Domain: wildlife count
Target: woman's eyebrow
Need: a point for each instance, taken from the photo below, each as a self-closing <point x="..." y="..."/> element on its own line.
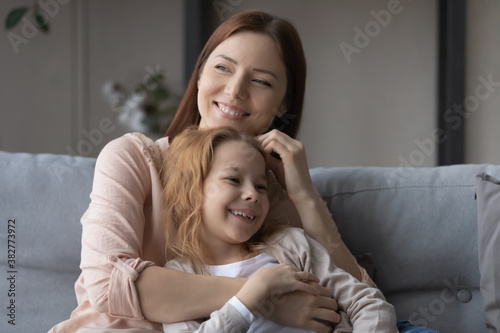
<point x="265" y="71"/>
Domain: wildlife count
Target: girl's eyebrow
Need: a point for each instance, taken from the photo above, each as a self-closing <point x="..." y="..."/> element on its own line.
<point x="236" y="169"/>
<point x="261" y="70"/>
<point x="232" y="168"/>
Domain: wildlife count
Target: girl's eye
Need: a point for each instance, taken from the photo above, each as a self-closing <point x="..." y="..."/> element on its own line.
<point x="261" y="187"/>
<point x="233" y="180"/>
<point x="262" y="82"/>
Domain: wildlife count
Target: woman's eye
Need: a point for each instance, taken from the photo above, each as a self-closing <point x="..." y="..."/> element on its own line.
<point x="222" y="68"/>
<point x="262" y="82"/>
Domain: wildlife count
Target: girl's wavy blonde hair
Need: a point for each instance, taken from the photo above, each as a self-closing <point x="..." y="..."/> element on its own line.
<point x="186" y="165"/>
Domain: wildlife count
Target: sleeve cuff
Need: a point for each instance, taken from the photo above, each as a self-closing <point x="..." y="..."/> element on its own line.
<point x="123" y="300"/>
<point x="242" y="309"/>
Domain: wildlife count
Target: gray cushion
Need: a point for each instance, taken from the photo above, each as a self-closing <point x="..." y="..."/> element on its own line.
<point x="46" y="195"/>
<point x="420" y="225"/>
<point x="488" y="208"/>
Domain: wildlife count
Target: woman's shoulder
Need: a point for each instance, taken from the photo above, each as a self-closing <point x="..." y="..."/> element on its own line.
<point x="135" y="148"/>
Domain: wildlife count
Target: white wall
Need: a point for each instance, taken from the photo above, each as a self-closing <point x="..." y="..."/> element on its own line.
<point x="482" y="114"/>
<point x="377" y="109"/>
<point x="35" y="84"/>
<point x="51" y="87"/>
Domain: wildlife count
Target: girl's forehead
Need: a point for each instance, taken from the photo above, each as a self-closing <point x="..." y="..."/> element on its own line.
<point x="236" y="154"/>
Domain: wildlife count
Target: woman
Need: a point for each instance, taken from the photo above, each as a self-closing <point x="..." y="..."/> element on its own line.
<point x="251" y="71"/>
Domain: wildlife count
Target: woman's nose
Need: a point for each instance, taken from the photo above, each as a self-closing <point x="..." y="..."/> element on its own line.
<point x="236" y="87"/>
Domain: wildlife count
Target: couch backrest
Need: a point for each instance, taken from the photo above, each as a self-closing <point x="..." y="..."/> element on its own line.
<point x="42" y="198"/>
<point x="420" y="226"/>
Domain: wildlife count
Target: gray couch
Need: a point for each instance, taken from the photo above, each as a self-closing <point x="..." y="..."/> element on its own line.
<point x="415" y="228"/>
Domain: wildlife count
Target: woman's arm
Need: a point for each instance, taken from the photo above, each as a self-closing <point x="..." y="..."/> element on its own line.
<point x="325" y="232"/>
<point x="293" y="174"/>
<point x="168" y="295"/>
<point x="117" y="281"/>
<point x="241" y="310"/>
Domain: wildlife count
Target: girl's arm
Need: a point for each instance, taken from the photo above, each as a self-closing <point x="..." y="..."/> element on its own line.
<point x="365" y="307"/>
<point x="293" y="174"/>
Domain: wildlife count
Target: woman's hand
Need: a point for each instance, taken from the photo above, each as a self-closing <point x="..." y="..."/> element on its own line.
<point x="292" y="172"/>
<point x="273" y="281"/>
<point x="290" y="298"/>
<point x="305" y="310"/>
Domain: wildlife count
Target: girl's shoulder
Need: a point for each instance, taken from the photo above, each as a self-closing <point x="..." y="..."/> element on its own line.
<point x="287" y="236"/>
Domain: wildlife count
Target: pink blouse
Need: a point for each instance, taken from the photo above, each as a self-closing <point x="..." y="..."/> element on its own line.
<point x="123" y="234"/>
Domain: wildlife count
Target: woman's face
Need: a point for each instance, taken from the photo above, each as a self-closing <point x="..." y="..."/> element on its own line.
<point x="242" y="84"/>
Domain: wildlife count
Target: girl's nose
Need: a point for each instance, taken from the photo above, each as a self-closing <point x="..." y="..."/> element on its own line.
<point x="250" y="194"/>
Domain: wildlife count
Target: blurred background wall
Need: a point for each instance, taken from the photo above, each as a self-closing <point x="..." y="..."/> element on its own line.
<point x="371" y="94"/>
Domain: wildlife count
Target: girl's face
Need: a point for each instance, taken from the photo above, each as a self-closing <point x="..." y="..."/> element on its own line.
<point x="242" y="84"/>
<point x="235" y="202"/>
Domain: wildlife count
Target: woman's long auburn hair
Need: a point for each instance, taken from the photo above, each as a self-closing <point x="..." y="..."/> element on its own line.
<point x="286" y="37"/>
<point x="186" y="165"/>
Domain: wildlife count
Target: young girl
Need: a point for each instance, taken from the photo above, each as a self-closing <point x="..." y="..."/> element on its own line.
<point x="216" y="184"/>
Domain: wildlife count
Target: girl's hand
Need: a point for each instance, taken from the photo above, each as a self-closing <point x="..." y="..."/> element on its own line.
<point x="292" y="172"/>
<point x="274" y="281"/>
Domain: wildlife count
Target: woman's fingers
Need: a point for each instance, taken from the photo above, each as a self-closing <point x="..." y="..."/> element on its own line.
<point x="306" y="276"/>
<point x="280" y="143"/>
<point x="286" y="278"/>
<point x="306" y="311"/>
<point x="323" y="291"/>
<point x="294" y="171"/>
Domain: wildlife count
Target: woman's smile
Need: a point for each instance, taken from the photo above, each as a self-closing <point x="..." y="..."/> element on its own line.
<point x="231" y="111"/>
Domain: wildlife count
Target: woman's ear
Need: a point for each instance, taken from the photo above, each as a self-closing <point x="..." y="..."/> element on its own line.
<point x="200" y="71"/>
<point x="281" y="110"/>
